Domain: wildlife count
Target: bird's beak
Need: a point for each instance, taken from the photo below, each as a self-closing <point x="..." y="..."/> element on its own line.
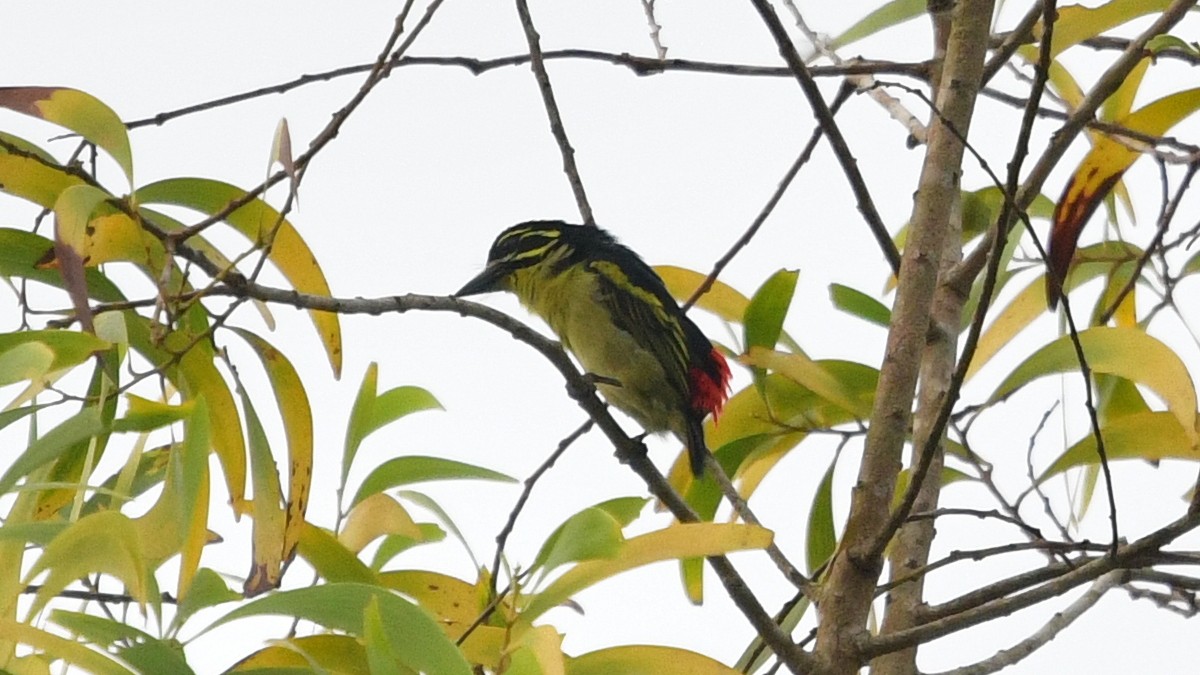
<point x="490" y="279"/>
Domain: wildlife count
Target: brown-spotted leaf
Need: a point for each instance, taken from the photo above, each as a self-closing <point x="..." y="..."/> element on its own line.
<point x="1098" y="173"/>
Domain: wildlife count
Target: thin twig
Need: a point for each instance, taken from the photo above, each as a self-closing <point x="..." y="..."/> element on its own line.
<point x="841" y="149"/>
<point x="556" y="124"/>
<point x="768" y="208"/>
<point x="502" y="537"/>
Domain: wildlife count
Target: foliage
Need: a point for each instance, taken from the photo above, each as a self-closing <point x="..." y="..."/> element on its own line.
<point x="162" y="380"/>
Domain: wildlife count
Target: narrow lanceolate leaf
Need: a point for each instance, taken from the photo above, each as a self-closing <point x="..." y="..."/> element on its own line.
<point x="138" y="648"/>
<point x="588" y="535"/>
<point x="331" y="559"/>
<point x="1030" y="303"/>
<point x="58" y="647"/>
<point x="722" y="299"/>
<point x="294" y="408"/>
<point x="822" y="535"/>
<point x="678" y="541"/>
<point x="262" y="225"/>
<point x="78" y="111"/>
<point x="72" y="217"/>
<point x="1075" y="23"/>
<point x="341" y="606"/>
<point x="1126" y="352"/>
<point x="768" y="308"/>
<point x="267" y="506"/>
<point x="1100" y="170"/>
<point x="1146" y="435"/>
<point x="418" y="469"/>
<point x="812" y="375"/>
<point x="890" y="14"/>
<point x="106" y="543"/>
<point x="308" y="654"/>
<point x="374" y="517"/>
<point x="857" y="303"/>
<point x="281" y="153"/>
<point x="20" y="253"/>
<point x="373" y="411"/>
<point x="81" y="426"/>
<point x="645" y="660"/>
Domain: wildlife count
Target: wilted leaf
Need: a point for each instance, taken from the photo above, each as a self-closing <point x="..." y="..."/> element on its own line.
<point x="1099" y="171"/>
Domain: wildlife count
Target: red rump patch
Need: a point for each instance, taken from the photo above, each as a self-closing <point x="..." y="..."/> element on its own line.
<point x="710" y="386"/>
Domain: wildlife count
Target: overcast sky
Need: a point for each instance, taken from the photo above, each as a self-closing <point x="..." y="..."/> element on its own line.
<point x="437" y="161"/>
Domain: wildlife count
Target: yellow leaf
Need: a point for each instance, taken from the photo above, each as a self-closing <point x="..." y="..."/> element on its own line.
<point x="455" y="603"/>
<point x="1142" y="435"/>
<point x="812" y="375"/>
<point x="296" y="412"/>
<point x="721" y="299"/>
<point x="678" y="541"/>
<point x="262" y="225"/>
<point x="106" y="542"/>
<point x="59" y="647"/>
<point x="374" y="517"/>
<point x="537" y="651"/>
<point x="646" y="660"/>
<point x="336" y="654"/>
<point x="78" y="111"/>
<point x="1126" y="352"/>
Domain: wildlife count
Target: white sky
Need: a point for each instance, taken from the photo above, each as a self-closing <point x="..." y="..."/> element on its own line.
<point x="437" y="161"/>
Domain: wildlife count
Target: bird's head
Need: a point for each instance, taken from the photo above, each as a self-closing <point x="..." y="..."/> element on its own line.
<point x="541" y="242"/>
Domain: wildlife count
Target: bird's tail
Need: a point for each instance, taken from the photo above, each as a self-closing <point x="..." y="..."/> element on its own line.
<point x="697" y="450"/>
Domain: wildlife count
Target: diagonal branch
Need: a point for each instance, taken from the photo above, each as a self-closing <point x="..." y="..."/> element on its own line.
<point x="556" y="124"/>
<point x="824" y="116"/>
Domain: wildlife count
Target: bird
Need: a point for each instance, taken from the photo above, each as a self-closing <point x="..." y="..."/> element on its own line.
<point x="613" y="312"/>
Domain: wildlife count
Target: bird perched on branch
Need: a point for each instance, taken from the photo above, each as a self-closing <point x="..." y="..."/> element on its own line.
<point x="613" y="312"/>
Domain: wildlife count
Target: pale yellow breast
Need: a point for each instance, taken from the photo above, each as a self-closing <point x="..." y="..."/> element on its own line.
<point x="568" y="302"/>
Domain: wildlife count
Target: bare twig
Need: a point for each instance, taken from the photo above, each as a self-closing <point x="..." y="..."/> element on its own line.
<point x="841" y="149"/>
<point x="769" y="207"/>
<point x="556" y="124"/>
<point x="1047" y="632"/>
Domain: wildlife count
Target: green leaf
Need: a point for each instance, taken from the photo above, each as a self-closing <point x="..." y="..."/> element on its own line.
<point x="822" y="534"/>
<point x="857" y="303"/>
<point x="890" y="14"/>
<point x="1126" y="352"/>
<point x="414" y="634"/>
<point x="590" y="534"/>
<point x="106" y="542"/>
<point x="675" y="542"/>
<point x="331" y="559"/>
<point x="146" y="415"/>
<point x="1144" y="435"/>
<point x="78" y="111"/>
<point x="70" y="348"/>
<point x="83" y="425"/>
<point x="139" y="649"/>
<point x="262" y="225"/>
<point x="768" y="308"/>
<point x="417" y="469"/>
<point x="58" y="647"/>
<point x="372" y="412"/>
<point x="646" y="660"/>
<point x="21" y="251"/>
<point x="208" y="589"/>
